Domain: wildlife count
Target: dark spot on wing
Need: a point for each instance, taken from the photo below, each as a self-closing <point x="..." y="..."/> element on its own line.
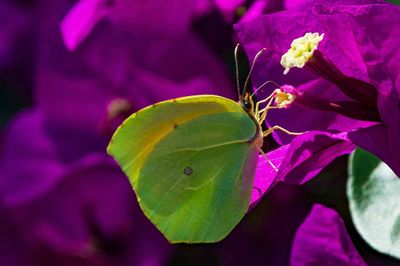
<point x="153" y="106"/>
<point x="188" y="170"/>
<point x="174" y="100"/>
<point x="175" y="126"/>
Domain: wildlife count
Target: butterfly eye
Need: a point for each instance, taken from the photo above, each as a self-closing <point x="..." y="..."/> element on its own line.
<point x="247" y="105"/>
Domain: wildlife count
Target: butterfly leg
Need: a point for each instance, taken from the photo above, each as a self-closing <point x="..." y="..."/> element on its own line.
<point x="266" y="158"/>
<point x="269" y="99"/>
<point x="262" y="114"/>
<point x="272" y="129"/>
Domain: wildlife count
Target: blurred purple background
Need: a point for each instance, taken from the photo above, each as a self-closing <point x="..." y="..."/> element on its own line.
<point x="70" y="72"/>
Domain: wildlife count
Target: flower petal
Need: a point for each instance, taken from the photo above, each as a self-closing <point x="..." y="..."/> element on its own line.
<point x="265" y="177"/>
<point x="309" y="153"/>
<point x="323" y="240"/>
<point x="80" y="21"/>
<point x="30" y="164"/>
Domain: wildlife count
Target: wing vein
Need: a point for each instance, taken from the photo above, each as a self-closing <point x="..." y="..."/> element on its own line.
<point x="215" y="210"/>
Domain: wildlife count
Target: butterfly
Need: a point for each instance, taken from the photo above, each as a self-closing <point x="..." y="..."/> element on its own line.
<point x="192" y="160"/>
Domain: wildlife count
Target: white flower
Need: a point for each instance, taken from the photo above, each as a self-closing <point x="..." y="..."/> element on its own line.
<point x="301" y="51"/>
<point x="283" y="99"/>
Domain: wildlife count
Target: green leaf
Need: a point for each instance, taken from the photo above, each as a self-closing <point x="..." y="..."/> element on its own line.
<point x="395" y="1"/>
<point x="373" y="191"/>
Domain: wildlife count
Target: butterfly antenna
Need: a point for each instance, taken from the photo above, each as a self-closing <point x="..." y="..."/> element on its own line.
<point x="237" y="69"/>
<point x="265" y="84"/>
<point x="251" y="69"/>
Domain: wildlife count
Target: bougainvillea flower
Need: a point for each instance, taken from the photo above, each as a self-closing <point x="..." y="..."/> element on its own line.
<point x="83" y="97"/>
<point x="323" y="240"/>
<point x="78" y="117"/>
<point x="348" y="72"/>
<point x="89" y="217"/>
<point x="153" y="17"/>
<point x="83" y="213"/>
<point x="92" y="214"/>
<point x="97" y="60"/>
<point x="298" y="161"/>
<point x="266" y="175"/>
<point x="29" y="162"/>
<point x="81" y="20"/>
<point x="115" y="72"/>
<point x="114" y="64"/>
<point x="301" y="50"/>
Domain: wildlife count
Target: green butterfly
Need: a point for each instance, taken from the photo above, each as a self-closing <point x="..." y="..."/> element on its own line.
<point x="192" y="161"/>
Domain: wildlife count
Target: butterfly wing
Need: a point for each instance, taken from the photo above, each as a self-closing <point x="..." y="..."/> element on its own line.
<point x="191" y="165"/>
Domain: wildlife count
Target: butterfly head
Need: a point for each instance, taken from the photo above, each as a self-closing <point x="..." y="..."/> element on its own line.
<point x="247" y="102"/>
